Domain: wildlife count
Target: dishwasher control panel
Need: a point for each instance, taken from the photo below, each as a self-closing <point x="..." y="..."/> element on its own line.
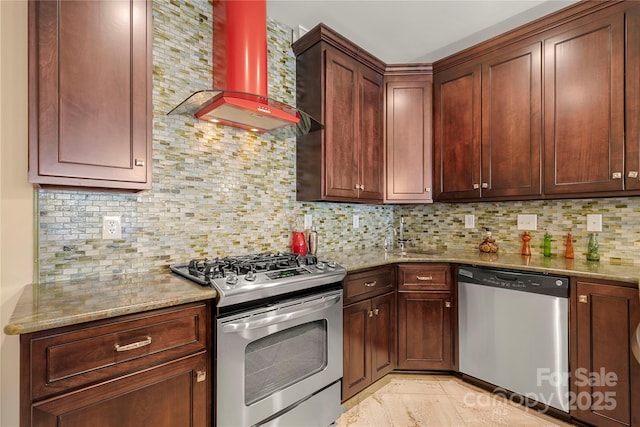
<point x="515" y="280"/>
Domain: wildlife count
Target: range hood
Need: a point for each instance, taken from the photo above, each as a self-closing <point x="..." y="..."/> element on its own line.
<point x="239" y="97"/>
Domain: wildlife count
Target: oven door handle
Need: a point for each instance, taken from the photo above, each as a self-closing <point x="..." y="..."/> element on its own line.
<point x="281" y="315"/>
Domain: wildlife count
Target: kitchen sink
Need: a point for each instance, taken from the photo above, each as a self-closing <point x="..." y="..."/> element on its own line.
<point x="415" y="251"/>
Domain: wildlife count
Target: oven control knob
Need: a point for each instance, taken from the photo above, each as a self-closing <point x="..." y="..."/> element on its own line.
<point x="250" y="276"/>
<point x="320" y="265"/>
<point x="232" y="280"/>
<point x="332" y="264"/>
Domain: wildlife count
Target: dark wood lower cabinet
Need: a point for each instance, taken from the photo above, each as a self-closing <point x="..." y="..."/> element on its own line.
<point x="167" y="395"/>
<point x="424" y="330"/>
<point x="369" y="342"/>
<point x="145" y="369"/>
<point x="605" y="377"/>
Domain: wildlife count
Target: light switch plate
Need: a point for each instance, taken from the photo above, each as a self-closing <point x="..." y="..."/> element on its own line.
<point x="470" y="221"/>
<point x="528" y="222"/>
<point x="594" y="222"/>
<point x="308" y="221"/>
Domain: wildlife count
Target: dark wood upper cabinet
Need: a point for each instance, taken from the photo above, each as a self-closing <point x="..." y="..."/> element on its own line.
<point x="90" y="90"/>
<point x="488" y="126"/>
<point x="511" y="123"/>
<point x="584" y="107"/>
<point x="342" y="86"/>
<point x="408" y="143"/>
<point x="457" y="106"/>
<point x="632" y="99"/>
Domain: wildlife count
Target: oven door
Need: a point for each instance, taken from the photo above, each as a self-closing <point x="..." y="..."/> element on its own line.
<point x="271" y="360"/>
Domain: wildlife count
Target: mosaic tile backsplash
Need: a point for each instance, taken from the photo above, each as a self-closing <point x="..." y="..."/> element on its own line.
<point x="219" y="191"/>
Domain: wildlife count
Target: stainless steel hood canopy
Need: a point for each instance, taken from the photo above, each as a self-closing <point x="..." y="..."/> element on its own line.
<point x="240" y="70"/>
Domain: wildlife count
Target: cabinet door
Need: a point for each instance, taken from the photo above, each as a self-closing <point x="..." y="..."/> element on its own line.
<point x="90" y="93"/>
<point x="632" y="172"/>
<point x="408" y="162"/>
<point x="584" y="102"/>
<point x="383" y="335"/>
<point x="341" y="145"/>
<point x="425" y="330"/>
<point x="606" y="318"/>
<point x="174" y="394"/>
<point x="511" y="122"/>
<point x="370" y="134"/>
<point x="356" y="374"/>
<point x="457" y="133"/>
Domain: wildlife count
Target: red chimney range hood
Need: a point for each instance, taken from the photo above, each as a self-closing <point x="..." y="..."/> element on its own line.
<point x="240" y="70"/>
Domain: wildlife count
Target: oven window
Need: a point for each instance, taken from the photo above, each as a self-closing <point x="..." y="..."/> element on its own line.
<point x="279" y="360"/>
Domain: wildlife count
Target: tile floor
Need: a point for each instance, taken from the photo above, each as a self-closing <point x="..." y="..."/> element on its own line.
<point x="410" y="400"/>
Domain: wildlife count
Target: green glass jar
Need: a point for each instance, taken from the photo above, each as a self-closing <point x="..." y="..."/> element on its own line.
<point x="592" y="248"/>
<point x="547" y="245"/>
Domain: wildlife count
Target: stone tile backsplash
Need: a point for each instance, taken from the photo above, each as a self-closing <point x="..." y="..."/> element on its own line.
<point x="219" y="191"/>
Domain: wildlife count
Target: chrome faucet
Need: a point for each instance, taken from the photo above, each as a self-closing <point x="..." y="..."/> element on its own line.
<point x="401" y="240"/>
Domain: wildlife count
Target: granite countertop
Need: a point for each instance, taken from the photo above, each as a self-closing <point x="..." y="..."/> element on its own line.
<point x="51" y="305"/>
<point x="629" y="273"/>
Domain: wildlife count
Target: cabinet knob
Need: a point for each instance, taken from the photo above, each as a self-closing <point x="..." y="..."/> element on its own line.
<point x="362" y="187"/>
<point x="427" y="190"/>
<point x="583" y="299"/>
<point x="616" y="175"/>
<point x="476" y="186"/>
<point x="376" y="311"/>
<point x="370" y="313"/>
<point x="447" y="304"/>
<point x="201" y="376"/>
<point x="139" y="162"/>
<point x="485" y="185"/>
<point x="633" y="174"/>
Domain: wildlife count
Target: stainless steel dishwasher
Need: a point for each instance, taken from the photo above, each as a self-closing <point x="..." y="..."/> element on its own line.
<point x="513" y="332"/>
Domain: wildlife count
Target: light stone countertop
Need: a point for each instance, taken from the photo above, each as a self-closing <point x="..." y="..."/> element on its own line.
<point x="51" y="305"/>
<point x="368" y="258"/>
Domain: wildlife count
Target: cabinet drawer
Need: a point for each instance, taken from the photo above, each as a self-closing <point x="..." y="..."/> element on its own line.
<point x="365" y="284"/>
<point x="424" y="277"/>
<point x="83" y="354"/>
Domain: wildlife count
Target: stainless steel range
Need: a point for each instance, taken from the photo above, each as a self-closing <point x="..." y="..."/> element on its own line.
<point x="278" y="338"/>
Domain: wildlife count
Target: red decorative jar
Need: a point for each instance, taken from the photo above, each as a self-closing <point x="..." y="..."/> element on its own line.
<point x="299" y="243"/>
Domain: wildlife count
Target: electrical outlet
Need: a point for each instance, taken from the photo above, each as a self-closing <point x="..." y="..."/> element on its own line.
<point x="356" y="221"/>
<point x="111" y="227"/>
<point x="470" y="221"/>
<point x="308" y="221"/>
<point x="528" y="222"/>
<point x="594" y="222"/>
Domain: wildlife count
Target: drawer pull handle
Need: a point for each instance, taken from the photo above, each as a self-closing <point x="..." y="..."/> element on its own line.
<point x="133" y="345"/>
<point x="201" y="376"/>
<point x="376" y="311"/>
<point x="371" y="284"/>
<point x="583" y="299"/>
<point x="139" y="162"/>
<point x="424" y="278"/>
<point x="370" y="313"/>
<point x="447" y="304"/>
<point x="616" y="175"/>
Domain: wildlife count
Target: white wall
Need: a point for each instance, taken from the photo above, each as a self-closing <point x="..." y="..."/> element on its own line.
<point x="16" y="195"/>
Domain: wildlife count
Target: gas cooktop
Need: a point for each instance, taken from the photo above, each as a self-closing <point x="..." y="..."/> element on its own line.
<point x="246" y="278"/>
